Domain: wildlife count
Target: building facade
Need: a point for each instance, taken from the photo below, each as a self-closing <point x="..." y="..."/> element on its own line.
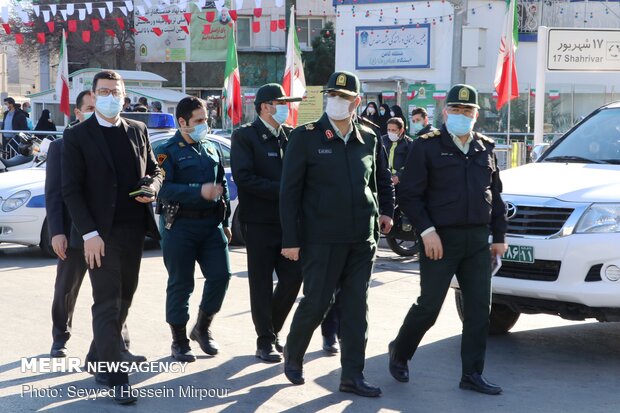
<point x="399" y="48"/>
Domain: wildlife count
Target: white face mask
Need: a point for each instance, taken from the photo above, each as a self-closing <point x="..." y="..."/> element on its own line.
<point x="87" y="115"/>
<point x="337" y="108"/>
<point x="370" y="110"/>
<point x="393" y="136"/>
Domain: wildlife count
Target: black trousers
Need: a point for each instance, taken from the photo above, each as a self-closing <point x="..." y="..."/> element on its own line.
<point x="69" y="276"/>
<point x="114" y="284"/>
<point x="269" y="306"/>
<point x="466" y="255"/>
<point x="330" y="326"/>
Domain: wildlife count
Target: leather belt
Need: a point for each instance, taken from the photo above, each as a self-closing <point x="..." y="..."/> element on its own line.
<point x="196" y="213"/>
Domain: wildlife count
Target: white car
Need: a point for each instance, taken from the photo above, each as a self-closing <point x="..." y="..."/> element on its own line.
<point x="563" y="229"/>
<point x="22" y="200"/>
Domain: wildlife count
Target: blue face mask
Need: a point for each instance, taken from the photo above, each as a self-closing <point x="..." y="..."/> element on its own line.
<point x="281" y="114"/>
<point x="381" y="112"/>
<point x="460" y="125"/>
<point x="108" y="106"/>
<point x="199" y="133"/>
<point x="417" y="127"/>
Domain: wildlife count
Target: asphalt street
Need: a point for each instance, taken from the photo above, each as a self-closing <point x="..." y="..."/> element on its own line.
<point x="544" y="365"/>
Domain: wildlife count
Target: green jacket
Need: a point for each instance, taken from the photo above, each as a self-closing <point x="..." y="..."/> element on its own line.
<point x="328" y="191"/>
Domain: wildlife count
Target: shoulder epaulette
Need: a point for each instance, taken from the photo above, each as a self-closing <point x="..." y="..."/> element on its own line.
<point x="485" y="138"/>
<point x="368" y="122"/>
<point x="366" y="128"/>
<point x="246" y="125"/>
<point x="431" y="134"/>
<point x="308" y="126"/>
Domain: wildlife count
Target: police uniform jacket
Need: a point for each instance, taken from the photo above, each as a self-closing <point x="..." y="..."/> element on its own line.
<point x="329" y="190"/>
<point x="443" y="187"/>
<point x="400" y="153"/>
<point x="185" y="168"/>
<point x="256" y="162"/>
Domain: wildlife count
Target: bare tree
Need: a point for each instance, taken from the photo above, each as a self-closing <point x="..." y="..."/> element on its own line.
<point x="102" y="50"/>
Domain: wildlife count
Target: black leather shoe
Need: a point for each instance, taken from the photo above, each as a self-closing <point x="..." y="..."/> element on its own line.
<point x="123" y="394"/>
<point x="129" y="357"/>
<point x="269" y="354"/>
<point x="476" y="382"/>
<point x="359" y="386"/>
<point x="331" y="345"/>
<point x="103" y="379"/>
<point x="398" y="368"/>
<point x="58" y="350"/>
<point x="293" y="371"/>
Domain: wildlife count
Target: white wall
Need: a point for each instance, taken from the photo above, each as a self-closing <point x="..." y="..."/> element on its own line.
<point x="440" y="48"/>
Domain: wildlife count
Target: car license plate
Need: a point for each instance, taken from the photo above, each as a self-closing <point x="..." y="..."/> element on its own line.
<point x="519" y="253"/>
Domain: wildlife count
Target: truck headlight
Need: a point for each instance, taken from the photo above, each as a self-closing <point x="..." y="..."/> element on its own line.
<point x="15" y="201"/>
<point x="600" y="218"/>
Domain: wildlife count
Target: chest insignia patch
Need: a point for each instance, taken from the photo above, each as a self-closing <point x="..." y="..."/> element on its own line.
<point x="329" y="134"/>
<point x="161" y="158"/>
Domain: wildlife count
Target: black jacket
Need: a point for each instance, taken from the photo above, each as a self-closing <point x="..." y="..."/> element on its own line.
<point x="400" y="154"/>
<point x="58" y="219"/>
<point x="330" y="192"/>
<point x="256" y="163"/>
<point x="89" y="178"/>
<point x="443" y="187"/>
<point x="20" y="121"/>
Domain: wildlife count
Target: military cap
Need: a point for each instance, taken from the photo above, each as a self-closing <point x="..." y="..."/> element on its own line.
<point x="272" y="92"/>
<point x="343" y="82"/>
<point x="464" y="95"/>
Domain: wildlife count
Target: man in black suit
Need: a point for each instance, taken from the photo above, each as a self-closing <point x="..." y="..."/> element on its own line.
<point x="71" y="265"/>
<point x="103" y="160"/>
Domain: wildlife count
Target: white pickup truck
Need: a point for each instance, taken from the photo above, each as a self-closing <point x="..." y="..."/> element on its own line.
<point x="563" y="229"/>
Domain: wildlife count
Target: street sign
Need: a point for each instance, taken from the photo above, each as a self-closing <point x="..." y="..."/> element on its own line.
<point x="583" y="50"/>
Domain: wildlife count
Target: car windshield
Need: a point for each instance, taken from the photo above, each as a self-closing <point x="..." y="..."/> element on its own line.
<point x="597" y="140"/>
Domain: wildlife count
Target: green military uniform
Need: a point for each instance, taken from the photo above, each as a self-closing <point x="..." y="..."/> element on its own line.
<point x="454" y="189"/>
<point x="329" y="207"/>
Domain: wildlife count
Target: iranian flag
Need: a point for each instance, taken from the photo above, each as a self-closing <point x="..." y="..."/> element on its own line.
<point x="232" y="81"/>
<point x="294" y="82"/>
<point x="62" y="79"/>
<point x="505" y="81"/>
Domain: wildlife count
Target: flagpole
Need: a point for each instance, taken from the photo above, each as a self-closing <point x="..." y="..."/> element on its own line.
<point x="510" y="48"/>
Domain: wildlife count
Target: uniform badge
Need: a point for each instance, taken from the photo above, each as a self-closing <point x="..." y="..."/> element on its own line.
<point x="181" y="144"/>
<point x="161" y="158"/>
<point x="341" y="80"/>
<point x="464" y="94"/>
<point x="210" y="150"/>
<point x="329" y="134"/>
<point x="264" y="136"/>
<point x="310" y="126"/>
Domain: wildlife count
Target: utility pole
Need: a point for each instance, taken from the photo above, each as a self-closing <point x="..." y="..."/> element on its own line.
<point x="460" y="20"/>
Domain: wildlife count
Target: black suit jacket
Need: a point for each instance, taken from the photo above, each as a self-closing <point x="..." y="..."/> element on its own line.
<point x="58" y="219"/>
<point x="89" y="177"/>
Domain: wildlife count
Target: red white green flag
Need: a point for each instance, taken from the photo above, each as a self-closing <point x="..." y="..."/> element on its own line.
<point x="232" y="81"/>
<point x="505" y="82"/>
<point x="62" y="79"/>
<point x="294" y="82"/>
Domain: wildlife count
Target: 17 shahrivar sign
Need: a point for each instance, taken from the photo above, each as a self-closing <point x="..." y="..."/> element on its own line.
<point x="591" y="50"/>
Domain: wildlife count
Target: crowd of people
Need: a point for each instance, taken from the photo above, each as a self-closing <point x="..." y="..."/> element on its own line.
<point x="312" y="203"/>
